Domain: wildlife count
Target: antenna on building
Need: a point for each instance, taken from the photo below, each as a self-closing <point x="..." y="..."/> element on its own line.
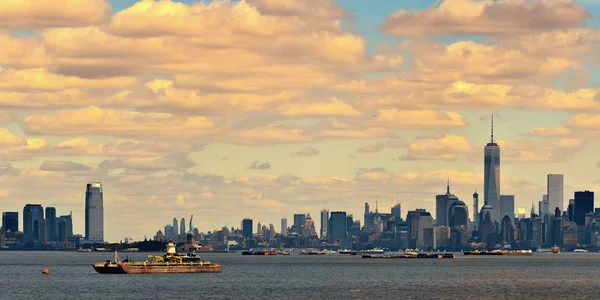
<point x="492" y="128"/>
<point x="376" y="205"/>
<point x="397" y="197"/>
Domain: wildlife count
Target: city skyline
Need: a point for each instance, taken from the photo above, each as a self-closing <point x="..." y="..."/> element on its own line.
<point x="367" y="102"/>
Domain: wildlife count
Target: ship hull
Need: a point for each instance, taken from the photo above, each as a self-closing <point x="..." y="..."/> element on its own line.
<point x="121" y="268"/>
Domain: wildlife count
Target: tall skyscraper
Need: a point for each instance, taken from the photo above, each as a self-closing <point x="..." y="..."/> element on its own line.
<point x="507" y="207"/>
<point x="397" y="213"/>
<point x="324" y="222"/>
<point x="476" y="208"/>
<point x="442" y="206"/>
<point x="284" y="230"/>
<point x="10" y="221"/>
<point x="247" y="228"/>
<point x="555" y="191"/>
<point x="182" y="226"/>
<point x="33" y="222"/>
<point x="175" y="227"/>
<point x="338" y="226"/>
<point x="584" y="204"/>
<point x="65" y="228"/>
<point x="299" y="220"/>
<point x="52" y="228"/>
<point x="94" y="212"/>
<point x="491" y="174"/>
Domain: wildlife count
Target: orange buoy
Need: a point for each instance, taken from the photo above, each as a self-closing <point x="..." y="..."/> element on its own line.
<point x="46" y="271"/>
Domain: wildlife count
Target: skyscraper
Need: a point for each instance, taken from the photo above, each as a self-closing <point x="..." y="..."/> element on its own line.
<point x="338" y="225"/>
<point x="284" y="227"/>
<point x="442" y="206"/>
<point x="94" y="212"/>
<point x="247" y="228"/>
<point x="507" y="207"/>
<point x="299" y="220"/>
<point x="324" y="222"/>
<point x="10" y="221"/>
<point x="555" y="191"/>
<point x="491" y="174"/>
<point x="175" y="227"/>
<point x="397" y="213"/>
<point x="182" y="226"/>
<point x="33" y="218"/>
<point x="476" y="208"/>
<point x="52" y="228"/>
<point x="65" y="228"/>
<point x="584" y="204"/>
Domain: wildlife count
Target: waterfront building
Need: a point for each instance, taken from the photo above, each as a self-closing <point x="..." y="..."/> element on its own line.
<point x="418" y="220"/>
<point x="338" y="225"/>
<point x="10" y="221"/>
<point x="299" y="220"/>
<point x="33" y="218"/>
<point x="175" y="228"/>
<point x="284" y="227"/>
<point x="486" y="227"/>
<point x="94" y="213"/>
<point x="507" y="207"/>
<point x="555" y="191"/>
<point x="182" y="226"/>
<point x="458" y="215"/>
<point x="507" y="230"/>
<point x="476" y="207"/>
<point x="51" y="222"/>
<point x="64" y="226"/>
<point x="246" y="228"/>
<point x="583" y="204"/>
<point x="442" y="206"/>
<point x="397" y="213"/>
<point x="324" y="222"/>
<point x="491" y="174"/>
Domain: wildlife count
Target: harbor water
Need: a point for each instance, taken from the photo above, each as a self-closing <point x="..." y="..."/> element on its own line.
<point x="336" y="276"/>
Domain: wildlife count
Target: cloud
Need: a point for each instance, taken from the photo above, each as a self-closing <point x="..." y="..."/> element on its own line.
<point x="257" y="165"/>
<point x="306" y="151"/>
<point x="394" y="118"/>
<point x="42" y="80"/>
<point x="95" y="120"/>
<point x="373" y="175"/>
<point x="59" y="13"/>
<point x="371" y="148"/>
<point x="470" y="17"/>
<point x="447" y="147"/>
<point x="332" y="107"/>
<point x="530" y="151"/>
<point x="549" y="132"/>
<point x="63" y="166"/>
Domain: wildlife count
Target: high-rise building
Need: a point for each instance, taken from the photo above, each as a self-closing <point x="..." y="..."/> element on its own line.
<point x="94" y="212"/>
<point x="507" y="207"/>
<point x="442" y="206"/>
<point x="247" y="228"/>
<point x="284" y="230"/>
<point x="397" y="213"/>
<point x="337" y="225"/>
<point x="175" y="227"/>
<point x="51" y="221"/>
<point x="491" y="174"/>
<point x="33" y="218"/>
<point x="584" y="204"/>
<point x="476" y="208"/>
<point x="64" y="225"/>
<point x="182" y="226"/>
<point x="299" y="220"/>
<point x="324" y="222"/>
<point x="10" y="221"/>
<point x="555" y="191"/>
<point x="458" y="215"/>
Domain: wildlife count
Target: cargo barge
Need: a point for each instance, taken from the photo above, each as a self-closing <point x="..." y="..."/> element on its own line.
<point x="412" y="255"/>
<point x="261" y="252"/>
<point x="499" y="252"/>
<point x="171" y="262"/>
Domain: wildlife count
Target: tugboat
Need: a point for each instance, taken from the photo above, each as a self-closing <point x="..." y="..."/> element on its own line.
<point x="171" y="262"/>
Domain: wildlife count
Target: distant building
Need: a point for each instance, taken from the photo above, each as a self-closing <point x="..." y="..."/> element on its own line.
<point x="442" y="206"/>
<point x="324" y="222"/>
<point x="491" y="174"/>
<point x="175" y="228"/>
<point x="338" y="226"/>
<point x="418" y="220"/>
<point x="10" y="221"/>
<point x="583" y="204"/>
<point x="182" y="226"/>
<point x="507" y="230"/>
<point x="33" y="222"/>
<point x="51" y="222"/>
<point x="555" y="191"/>
<point x="247" y="228"/>
<point x="284" y="226"/>
<point x="507" y="207"/>
<point x="94" y="212"/>
<point x="476" y="208"/>
<point x="397" y="213"/>
<point x="64" y="226"/>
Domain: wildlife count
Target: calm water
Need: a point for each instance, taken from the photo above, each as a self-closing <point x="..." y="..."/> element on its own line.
<point x="562" y="276"/>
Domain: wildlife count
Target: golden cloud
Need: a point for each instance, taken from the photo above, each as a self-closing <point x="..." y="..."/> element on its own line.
<point x="488" y="17"/>
<point x="447" y="147"/>
<point x="58" y="13"/>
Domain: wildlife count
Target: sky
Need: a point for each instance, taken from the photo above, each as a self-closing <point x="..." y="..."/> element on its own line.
<point x="265" y="108"/>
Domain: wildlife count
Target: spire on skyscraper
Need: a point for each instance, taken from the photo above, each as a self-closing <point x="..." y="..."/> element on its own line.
<point x="492" y="128"/>
<point x="448" y="187"/>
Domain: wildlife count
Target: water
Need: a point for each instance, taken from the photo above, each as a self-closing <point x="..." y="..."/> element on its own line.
<point x="544" y="275"/>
